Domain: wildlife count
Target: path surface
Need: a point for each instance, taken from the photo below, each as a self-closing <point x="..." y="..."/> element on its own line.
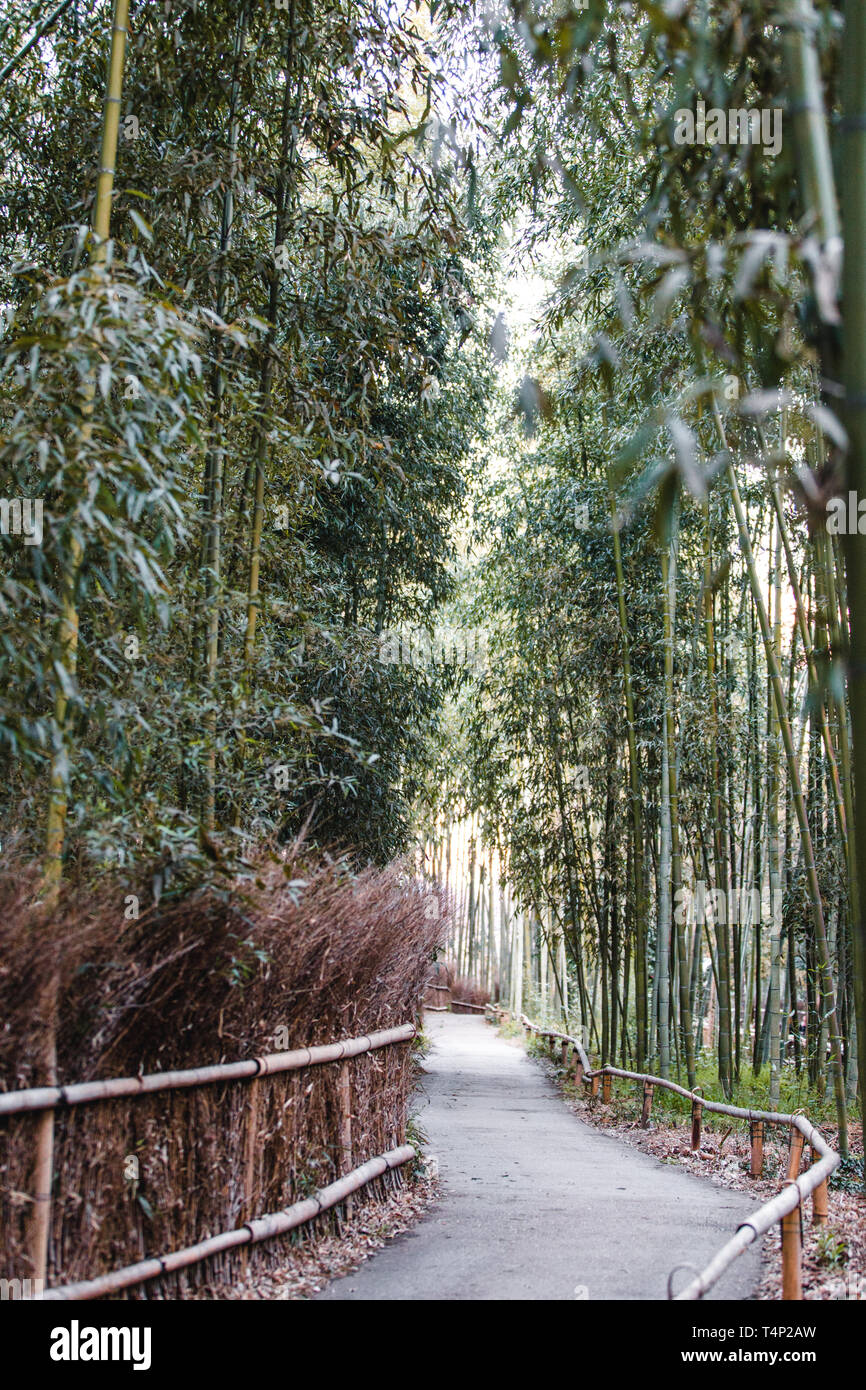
<point x="535" y="1203"/>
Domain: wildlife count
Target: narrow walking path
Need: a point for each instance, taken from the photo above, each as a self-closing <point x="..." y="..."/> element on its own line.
<point x="536" y="1204"/>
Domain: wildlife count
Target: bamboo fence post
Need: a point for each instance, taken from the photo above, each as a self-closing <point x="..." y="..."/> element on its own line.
<point x="792" y="1253"/>
<point x="648" y="1089"/>
<point x="795" y="1153"/>
<point x="250" y="1160"/>
<point x="606" y="1088"/>
<point x="756" y="1138"/>
<point x="43" y="1177"/>
<point x="564" y="1054"/>
<point x="344" y="1092"/>
<point x="594" y="1087"/>
<point x="697" y="1111"/>
<point x="820" y="1210"/>
<point x="578" y="1068"/>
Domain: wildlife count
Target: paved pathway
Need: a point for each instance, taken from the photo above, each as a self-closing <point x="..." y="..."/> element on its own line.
<point x="536" y="1204"/>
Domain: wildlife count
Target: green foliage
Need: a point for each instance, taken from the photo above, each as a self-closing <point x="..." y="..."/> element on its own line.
<point x="831" y="1249"/>
<point x="339" y="362"/>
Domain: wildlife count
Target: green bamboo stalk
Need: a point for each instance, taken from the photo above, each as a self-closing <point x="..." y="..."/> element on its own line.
<point x="55" y="830"/>
<point x="721" y="877"/>
<point x="773" y="832"/>
<point x="838" y="792"/>
<point x="215" y="460"/>
<point x="665" y="919"/>
<point x="853" y="134"/>
<point x="68" y="626"/>
<point x="41" y="30"/>
<point x="640" y="895"/>
<point x="669" y="600"/>
<point x="287" y="147"/>
<point x="839" y="642"/>
<point x="811" y="138"/>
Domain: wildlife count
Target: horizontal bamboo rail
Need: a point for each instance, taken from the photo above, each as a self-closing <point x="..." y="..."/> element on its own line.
<point x="85" y="1092"/>
<point x="452" y="1003"/>
<point x="274" y="1224"/>
<point x="796" y="1188"/>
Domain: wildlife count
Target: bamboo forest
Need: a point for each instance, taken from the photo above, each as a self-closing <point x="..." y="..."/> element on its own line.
<point x="432" y="657"/>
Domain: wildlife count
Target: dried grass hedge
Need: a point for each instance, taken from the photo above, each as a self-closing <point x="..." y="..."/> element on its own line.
<point x="467" y="991"/>
<point x="302" y="951"/>
<point x="462" y="989"/>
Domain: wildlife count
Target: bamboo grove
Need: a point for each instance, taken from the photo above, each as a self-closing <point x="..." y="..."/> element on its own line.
<point x="660" y="755"/>
<point x="327" y="320"/>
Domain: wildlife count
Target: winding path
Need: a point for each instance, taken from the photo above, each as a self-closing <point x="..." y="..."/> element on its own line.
<point x="536" y="1204"/>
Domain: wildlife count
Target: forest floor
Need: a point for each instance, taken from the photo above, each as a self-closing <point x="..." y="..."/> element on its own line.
<point x="834" y="1258"/>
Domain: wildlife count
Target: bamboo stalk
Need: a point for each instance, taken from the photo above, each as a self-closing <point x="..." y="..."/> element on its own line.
<point x="39" y="32"/>
<point x="773" y="835"/>
<point x="721" y="876"/>
<point x="797" y="792"/>
<point x="803" y="627"/>
<point x="811" y="138"/>
<point x="668" y="589"/>
<point x="853" y="134"/>
<point x="260" y="448"/>
<point x="216" y="456"/>
<point x="67" y="639"/>
<point x="640" y="896"/>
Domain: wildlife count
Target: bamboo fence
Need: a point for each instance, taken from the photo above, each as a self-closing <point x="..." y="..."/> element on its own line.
<point x="58" y="1098"/>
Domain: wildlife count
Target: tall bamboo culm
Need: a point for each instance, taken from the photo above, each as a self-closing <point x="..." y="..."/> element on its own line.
<point x="853" y="136"/>
<point x="67" y="642"/>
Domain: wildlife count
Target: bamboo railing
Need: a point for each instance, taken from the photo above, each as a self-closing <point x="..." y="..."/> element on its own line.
<point x="451" y="1003"/>
<point x="42" y="1098"/>
<point x="85" y="1092"/>
<point x="439" y="990"/>
<point x="274" y="1224"/>
<point x="785" y="1208"/>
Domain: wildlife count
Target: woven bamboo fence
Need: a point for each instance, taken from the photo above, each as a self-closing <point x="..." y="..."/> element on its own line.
<point x="356" y="1089"/>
